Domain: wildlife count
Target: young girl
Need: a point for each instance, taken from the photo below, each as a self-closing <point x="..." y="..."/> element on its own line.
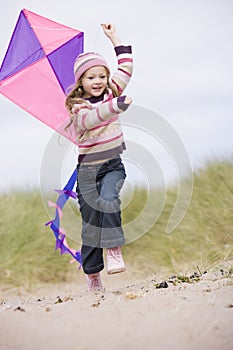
<point x="94" y="105"/>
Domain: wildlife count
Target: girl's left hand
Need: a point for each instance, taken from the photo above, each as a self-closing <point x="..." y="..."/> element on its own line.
<point x="109" y="29"/>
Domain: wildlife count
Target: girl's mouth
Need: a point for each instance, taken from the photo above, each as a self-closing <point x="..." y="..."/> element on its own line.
<point x="97" y="89"/>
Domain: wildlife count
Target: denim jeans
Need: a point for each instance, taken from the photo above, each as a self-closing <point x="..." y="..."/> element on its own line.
<point x="98" y="188"/>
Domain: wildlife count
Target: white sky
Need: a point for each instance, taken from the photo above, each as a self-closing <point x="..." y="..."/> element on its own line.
<point x="183" y="71"/>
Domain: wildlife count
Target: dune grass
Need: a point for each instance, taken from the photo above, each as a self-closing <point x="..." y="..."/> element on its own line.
<point x="204" y="237"/>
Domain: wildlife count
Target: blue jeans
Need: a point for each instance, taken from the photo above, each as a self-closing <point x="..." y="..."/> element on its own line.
<point x="98" y="188"/>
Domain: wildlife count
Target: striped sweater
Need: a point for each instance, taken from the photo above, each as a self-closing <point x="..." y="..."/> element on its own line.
<point x="97" y="126"/>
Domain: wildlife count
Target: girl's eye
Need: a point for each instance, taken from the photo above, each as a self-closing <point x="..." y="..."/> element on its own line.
<point x="101" y="77"/>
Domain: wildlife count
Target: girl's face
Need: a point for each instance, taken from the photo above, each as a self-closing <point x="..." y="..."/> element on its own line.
<point x="94" y="81"/>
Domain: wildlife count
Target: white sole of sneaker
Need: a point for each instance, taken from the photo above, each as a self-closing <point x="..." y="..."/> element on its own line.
<point x="117" y="270"/>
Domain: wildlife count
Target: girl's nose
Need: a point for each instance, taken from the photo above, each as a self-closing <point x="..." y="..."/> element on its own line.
<point x="97" y="80"/>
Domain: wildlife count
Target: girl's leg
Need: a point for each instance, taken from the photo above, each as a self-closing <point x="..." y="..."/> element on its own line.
<point x="112" y="235"/>
<point x="98" y="191"/>
<point x="87" y="195"/>
<point x="92" y="253"/>
<point x="110" y="184"/>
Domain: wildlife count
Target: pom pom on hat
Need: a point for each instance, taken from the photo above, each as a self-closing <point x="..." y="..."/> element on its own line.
<point x="86" y="61"/>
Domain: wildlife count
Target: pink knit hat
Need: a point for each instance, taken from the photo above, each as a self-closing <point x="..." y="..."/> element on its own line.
<point x="88" y="60"/>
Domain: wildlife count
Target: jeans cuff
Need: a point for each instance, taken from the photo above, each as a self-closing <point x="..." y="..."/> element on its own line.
<point x="93" y="269"/>
<point x="112" y="243"/>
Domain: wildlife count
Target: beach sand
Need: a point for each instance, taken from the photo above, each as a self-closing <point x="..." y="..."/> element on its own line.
<point x="131" y="314"/>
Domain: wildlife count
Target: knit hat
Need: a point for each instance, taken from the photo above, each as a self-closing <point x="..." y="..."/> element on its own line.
<point x="88" y="60"/>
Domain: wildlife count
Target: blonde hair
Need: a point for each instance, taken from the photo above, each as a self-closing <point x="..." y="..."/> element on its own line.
<point x="75" y="96"/>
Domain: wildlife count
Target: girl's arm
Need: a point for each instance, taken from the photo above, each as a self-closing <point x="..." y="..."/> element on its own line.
<point x="87" y="118"/>
<point x="124" y="57"/>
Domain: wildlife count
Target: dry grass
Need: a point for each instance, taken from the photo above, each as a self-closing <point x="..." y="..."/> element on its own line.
<point x="203" y="239"/>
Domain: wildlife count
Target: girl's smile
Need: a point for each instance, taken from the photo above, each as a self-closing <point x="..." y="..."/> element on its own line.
<point x="94" y="81"/>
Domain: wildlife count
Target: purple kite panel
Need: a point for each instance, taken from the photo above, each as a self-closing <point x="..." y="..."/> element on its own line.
<point x="62" y="60"/>
<point x="23" y="50"/>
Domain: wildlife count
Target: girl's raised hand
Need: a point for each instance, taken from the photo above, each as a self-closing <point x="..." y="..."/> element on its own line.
<point x="109" y="29"/>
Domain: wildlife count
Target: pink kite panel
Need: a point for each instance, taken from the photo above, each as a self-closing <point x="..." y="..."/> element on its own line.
<point x="49" y="33"/>
<point x="27" y="89"/>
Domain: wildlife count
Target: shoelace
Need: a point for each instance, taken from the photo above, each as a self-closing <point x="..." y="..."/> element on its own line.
<point x="115" y="253"/>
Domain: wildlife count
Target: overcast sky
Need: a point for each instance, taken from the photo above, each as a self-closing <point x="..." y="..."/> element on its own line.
<point x="183" y="71"/>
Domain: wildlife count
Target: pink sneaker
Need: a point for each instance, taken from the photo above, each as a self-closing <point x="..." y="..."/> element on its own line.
<point x="115" y="263"/>
<point x="94" y="283"/>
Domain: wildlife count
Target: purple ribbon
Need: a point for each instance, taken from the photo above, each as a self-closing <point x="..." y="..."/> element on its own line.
<point x="54" y="224"/>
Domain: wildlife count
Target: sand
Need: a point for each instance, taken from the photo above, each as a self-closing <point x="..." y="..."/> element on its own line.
<point x="131" y="314"/>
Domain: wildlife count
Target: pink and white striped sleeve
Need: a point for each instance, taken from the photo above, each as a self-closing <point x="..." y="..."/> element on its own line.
<point x="87" y="118"/>
<point x="124" y="71"/>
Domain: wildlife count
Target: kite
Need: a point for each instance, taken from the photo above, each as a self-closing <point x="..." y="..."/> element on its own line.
<point x="38" y="68"/>
<point x="35" y="74"/>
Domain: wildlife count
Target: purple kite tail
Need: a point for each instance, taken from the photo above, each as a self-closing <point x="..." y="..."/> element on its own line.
<point x="59" y="233"/>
